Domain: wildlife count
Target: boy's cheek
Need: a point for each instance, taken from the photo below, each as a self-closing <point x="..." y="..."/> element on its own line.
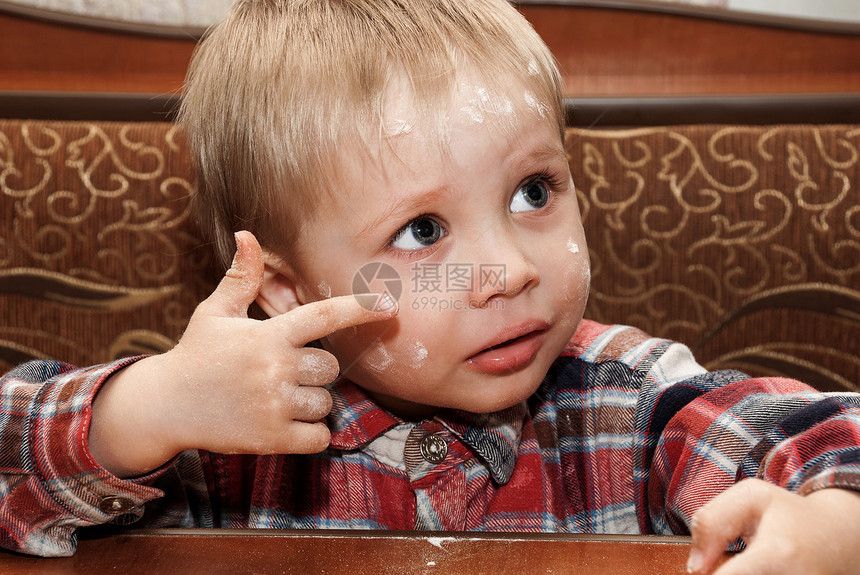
<point x="402" y="344"/>
<point x="573" y="280"/>
<point x="578" y="277"/>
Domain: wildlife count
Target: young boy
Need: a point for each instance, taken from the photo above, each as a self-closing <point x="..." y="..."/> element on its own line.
<point x="398" y="142"/>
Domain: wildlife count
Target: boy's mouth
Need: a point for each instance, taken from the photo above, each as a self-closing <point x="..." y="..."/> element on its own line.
<point x="512" y="349"/>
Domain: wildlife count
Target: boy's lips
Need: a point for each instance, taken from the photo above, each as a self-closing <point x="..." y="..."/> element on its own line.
<point x="511" y="349"/>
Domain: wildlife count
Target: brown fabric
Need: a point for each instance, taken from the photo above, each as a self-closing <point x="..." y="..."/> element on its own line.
<point x="742" y="242"/>
<point x="98" y="257"/>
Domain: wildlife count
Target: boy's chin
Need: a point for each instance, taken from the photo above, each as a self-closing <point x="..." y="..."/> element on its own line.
<point x="496" y="399"/>
<point x="497" y="404"/>
<point x="414" y="411"/>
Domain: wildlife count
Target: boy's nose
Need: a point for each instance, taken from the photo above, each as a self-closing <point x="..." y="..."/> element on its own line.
<point x="504" y="270"/>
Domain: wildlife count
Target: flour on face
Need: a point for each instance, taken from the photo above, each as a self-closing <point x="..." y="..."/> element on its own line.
<point x="418" y="353"/>
<point x="324" y="289"/>
<point x="378" y="359"/>
<point x="481" y="103"/>
<point x="539" y="107"/>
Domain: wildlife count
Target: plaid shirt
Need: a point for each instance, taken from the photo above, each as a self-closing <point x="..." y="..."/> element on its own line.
<point x="627" y="434"/>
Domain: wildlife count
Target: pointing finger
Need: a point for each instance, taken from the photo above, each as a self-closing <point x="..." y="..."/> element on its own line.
<point x="321" y="318"/>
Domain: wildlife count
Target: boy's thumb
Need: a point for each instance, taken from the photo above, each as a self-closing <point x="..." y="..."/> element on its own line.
<point x="241" y="284"/>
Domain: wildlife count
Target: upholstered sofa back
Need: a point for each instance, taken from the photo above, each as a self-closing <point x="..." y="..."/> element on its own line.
<point x="98" y="256"/>
<point x="742" y="242"/>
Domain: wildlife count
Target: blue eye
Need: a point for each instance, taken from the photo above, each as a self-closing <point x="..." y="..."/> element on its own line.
<point x="419" y="233"/>
<point x="531" y="196"/>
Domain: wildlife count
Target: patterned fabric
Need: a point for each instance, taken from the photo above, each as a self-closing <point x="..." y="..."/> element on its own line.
<point x="99" y="256"/>
<point x="627" y="434"/>
<point x="742" y="242"/>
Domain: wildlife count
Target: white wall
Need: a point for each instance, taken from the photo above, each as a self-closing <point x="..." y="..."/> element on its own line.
<point x="164" y="12"/>
<point x="815" y="9"/>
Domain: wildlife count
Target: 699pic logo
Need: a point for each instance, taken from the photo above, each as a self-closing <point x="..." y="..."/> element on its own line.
<point x="376" y="283"/>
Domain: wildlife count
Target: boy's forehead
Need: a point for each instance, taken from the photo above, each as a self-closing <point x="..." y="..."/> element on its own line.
<point x="472" y="101"/>
<point x="411" y="144"/>
<point x="420" y="136"/>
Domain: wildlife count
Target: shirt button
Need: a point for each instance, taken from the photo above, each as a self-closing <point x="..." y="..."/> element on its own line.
<point x="115" y="505"/>
<point x="434" y="449"/>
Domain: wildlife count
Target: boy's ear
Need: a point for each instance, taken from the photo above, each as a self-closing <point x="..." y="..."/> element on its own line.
<point x="279" y="292"/>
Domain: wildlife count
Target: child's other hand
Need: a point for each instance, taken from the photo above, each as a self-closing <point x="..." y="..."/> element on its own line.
<point x="785" y="533"/>
<point x="232" y="384"/>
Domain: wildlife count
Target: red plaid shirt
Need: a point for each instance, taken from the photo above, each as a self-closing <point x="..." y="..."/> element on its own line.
<point x="606" y="445"/>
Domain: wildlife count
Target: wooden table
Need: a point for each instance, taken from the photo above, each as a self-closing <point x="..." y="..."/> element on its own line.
<point x="213" y="552"/>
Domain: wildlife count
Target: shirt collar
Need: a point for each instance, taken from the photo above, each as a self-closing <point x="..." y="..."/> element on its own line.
<point x="356" y="420"/>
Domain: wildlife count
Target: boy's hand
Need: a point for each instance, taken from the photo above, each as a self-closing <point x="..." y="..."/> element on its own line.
<point x="785" y="533"/>
<point x="232" y="384"/>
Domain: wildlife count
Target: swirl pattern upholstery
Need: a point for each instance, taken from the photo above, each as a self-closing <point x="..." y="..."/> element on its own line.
<point x="98" y="256"/>
<point x="741" y="241"/>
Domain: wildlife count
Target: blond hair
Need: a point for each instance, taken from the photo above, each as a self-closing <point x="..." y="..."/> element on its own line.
<point x="281" y="86"/>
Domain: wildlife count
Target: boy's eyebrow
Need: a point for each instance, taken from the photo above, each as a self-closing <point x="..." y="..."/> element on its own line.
<point x="407" y="205"/>
<point x="546" y="152"/>
<point x="414" y="203"/>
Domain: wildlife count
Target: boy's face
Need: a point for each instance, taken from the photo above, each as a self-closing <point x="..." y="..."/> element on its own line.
<point x="488" y="249"/>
